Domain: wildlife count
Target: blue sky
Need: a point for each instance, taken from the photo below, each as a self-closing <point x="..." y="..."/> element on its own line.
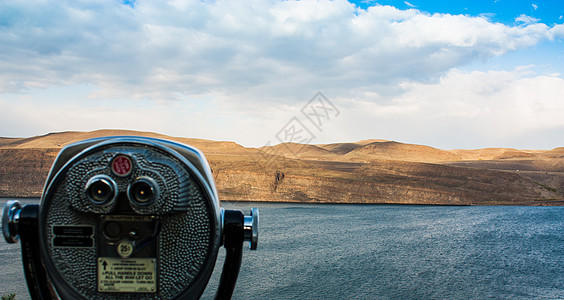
<point x="503" y="11"/>
<point x="449" y="74"/>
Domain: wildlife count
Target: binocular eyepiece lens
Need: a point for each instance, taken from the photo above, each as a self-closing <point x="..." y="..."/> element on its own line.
<point x="144" y="191"/>
<point x="101" y="189"/>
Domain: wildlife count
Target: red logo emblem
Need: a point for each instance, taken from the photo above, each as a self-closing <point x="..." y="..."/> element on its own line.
<point x="121" y="165"/>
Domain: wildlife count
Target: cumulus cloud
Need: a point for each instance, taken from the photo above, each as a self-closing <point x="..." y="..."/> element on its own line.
<point x="282" y="49"/>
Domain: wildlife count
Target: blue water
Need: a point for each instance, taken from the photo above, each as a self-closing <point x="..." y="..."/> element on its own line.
<point x="390" y="252"/>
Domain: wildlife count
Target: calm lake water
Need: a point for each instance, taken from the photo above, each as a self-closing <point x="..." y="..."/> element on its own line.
<point x="387" y="252"/>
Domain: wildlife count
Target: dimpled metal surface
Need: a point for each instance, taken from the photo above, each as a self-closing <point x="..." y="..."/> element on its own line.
<point x="186" y="220"/>
<point x="177" y="187"/>
<point x="77" y="265"/>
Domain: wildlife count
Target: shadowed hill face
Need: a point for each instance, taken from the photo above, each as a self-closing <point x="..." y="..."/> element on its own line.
<point x="340" y="148"/>
<point x="7" y="141"/>
<point x="492" y="153"/>
<point x="370" y="141"/>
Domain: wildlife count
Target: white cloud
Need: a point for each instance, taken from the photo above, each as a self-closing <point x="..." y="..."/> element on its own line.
<point x="199" y="118"/>
<point x="496" y="108"/>
<point x="238" y="70"/>
<point x="464" y="109"/>
<point x="162" y="50"/>
<point x="535" y="7"/>
<point x="526" y="19"/>
<point x="557" y="32"/>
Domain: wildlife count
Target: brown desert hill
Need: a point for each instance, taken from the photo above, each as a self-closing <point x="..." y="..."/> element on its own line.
<point x="399" y="151"/>
<point x="492" y="153"/>
<point x="370" y="141"/>
<point x="340" y="148"/>
<point x="344" y="148"/>
<point x="61" y="139"/>
<point x="557" y="152"/>
<point x="4" y="141"/>
<point x="294" y="150"/>
<point x="25" y="162"/>
<point x="372" y="171"/>
<point x="464" y="185"/>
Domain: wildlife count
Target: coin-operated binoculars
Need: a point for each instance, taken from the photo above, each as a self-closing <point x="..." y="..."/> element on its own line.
<point x="128" y="218"/>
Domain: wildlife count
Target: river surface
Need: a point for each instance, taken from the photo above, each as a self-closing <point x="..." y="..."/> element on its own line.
<point x="386" y="252"/>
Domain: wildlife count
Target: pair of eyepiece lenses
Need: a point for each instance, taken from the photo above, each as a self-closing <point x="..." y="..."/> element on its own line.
<point x="143" y="191"/>
<point x="101" y="189"/>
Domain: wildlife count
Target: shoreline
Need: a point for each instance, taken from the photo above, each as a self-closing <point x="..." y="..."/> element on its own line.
<point x="387" y="203"/>
<point x="250" y="202"/>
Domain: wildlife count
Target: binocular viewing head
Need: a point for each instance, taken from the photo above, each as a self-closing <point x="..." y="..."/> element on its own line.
<point x="128" y="217"/>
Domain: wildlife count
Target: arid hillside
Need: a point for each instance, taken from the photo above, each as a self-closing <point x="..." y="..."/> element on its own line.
<point x="371" y="171"/>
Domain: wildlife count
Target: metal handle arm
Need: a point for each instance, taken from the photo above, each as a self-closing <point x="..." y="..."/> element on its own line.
<point x="237" y="228"/>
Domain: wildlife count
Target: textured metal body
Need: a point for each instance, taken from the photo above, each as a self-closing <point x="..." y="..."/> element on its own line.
<point x="185" y="239"/>
<point x="10" y="218"/>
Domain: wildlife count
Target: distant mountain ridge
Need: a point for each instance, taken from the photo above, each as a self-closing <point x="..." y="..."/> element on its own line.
<point x="61" y="139"/>
<point x="369" y="150"/>
<point x="370" y="171"/>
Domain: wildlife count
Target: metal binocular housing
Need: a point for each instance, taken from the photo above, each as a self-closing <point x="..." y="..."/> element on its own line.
<point x="128" y="218"/>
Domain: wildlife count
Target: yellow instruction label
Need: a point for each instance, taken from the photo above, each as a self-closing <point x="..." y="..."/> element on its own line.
<point x="131" y="275"/>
